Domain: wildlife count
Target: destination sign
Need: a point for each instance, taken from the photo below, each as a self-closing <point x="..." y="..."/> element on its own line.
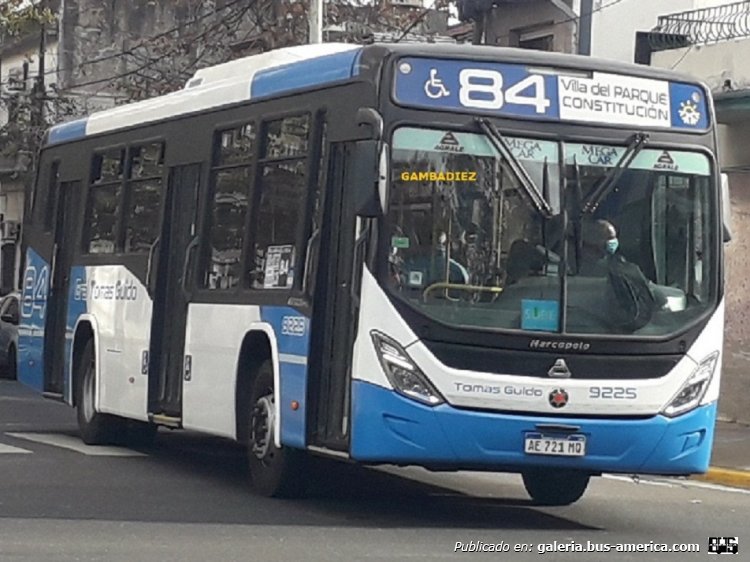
<point x="514" y="90"/>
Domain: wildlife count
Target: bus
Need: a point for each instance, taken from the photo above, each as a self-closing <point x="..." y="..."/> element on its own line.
<point x="448" y="256"/>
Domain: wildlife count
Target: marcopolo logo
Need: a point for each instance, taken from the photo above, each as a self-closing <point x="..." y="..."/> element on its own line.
<point x="559" y="345"/>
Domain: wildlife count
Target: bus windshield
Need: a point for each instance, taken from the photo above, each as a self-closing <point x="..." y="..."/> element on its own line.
<point x="612" y="251"/>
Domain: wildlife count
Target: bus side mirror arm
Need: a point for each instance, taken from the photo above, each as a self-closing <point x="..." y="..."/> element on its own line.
<point x="366" y="176"/>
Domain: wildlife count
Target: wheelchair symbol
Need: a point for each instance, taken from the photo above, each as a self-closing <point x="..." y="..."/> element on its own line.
<point x="434" y="87"/>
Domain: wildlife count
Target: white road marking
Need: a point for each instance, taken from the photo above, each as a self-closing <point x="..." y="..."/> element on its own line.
<point x="679" y="484"/>
<point x="75" y="444"/>
<point x="9" y="449"/>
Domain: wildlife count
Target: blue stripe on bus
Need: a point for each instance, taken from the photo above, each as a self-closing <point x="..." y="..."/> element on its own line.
<point x="305" y="74"/>
<point x="31" y="326"/>
<point x="390" y="428"/>
<point x="64" y="132"/>
<point x="293" y="339"/>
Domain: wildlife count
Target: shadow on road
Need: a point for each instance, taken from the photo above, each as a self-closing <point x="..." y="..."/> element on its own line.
<point x="191" y="478"/>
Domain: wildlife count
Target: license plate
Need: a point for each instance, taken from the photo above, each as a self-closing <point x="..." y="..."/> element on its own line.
<point x="568" y="446"/>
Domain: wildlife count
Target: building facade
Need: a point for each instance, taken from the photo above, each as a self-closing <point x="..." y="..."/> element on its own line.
<point x="713" y="44"/>
<point x="21" y="104"/>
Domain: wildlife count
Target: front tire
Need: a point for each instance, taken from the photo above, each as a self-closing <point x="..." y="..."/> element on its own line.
<point x="555" y="486"/>
<point x="274" y="471"/>
<point x="95" y="428"/>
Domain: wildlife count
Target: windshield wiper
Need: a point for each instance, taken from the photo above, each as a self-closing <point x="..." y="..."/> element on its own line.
<point x="531" y="191"/>
<point x="599" y="193"/>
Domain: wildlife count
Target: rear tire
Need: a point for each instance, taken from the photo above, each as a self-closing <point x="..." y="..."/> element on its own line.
<point x="555" y="486"/>
<point x="95" y="428"/>
<point x="274" y="472"/>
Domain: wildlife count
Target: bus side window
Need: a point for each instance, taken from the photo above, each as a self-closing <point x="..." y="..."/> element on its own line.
<point x="281" y="196"/>
<point x="104" y="202"/>
<point x="231" y="180"/>
<point x="144" y="195"/>
<point x="45" y="197"/>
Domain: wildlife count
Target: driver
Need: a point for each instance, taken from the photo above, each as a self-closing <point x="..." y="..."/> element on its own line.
<point x="630" y="290"/>
<point x="600" y="242"/>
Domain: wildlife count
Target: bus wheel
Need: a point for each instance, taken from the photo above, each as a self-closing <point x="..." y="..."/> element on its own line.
<point x="95" y="428"/>
<point x="555" y="486"/>
<point x="274" y="471"/>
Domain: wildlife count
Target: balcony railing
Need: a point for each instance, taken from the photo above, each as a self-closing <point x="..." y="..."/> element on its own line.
<point x="699" y="27"/>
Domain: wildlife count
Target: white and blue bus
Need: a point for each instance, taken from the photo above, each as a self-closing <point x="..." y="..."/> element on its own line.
<point x="455" y="257"/>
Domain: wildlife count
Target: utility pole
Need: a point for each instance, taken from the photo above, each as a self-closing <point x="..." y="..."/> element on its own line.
<point x="316" y="21"/>
<point x="39" y="86"/>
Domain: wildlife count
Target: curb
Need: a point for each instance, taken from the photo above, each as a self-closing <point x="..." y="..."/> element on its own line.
<point x="726" y="476"/>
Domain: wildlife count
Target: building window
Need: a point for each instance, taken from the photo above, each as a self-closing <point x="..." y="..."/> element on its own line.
<point x="542" y="43"/>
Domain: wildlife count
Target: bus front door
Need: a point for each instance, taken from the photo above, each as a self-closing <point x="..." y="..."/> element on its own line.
<point x="334" y="311"/>
<point x="172" y="256"/>
<point x="62" y="311"/>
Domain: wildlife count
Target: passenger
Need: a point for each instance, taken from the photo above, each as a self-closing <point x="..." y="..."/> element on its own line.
<point x="630" y="289"/>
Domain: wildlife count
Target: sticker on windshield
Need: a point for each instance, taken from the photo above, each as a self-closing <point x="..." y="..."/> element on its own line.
<point x="474" y="144"/>
<point x="540" y="315"/>
<point x="449" y="143"/>
<point x="647" y="159"/>
<point x="400" y="242"/>
<point x="666" y="162"/>
<point x="279" y="270"/>
<point x="416" y="278"/>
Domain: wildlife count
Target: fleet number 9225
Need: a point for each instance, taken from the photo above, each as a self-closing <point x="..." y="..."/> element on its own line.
<point x="612" y="393"/>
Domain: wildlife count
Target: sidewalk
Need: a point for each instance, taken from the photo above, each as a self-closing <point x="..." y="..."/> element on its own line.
<point x="730" y="461"/>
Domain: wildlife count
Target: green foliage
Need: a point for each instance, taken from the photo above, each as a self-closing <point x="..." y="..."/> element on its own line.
<point x="20" y="16"/>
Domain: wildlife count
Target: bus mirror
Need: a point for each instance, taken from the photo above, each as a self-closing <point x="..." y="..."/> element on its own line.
<point x="726" y="208"/>
<point x="363" y="174"/>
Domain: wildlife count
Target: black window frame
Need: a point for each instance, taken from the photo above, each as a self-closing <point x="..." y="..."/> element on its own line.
<point x="313" y="148"/>
<point x="127" y="193"/>
<point x="214" y="169"/>
<point x="123" y="197"/>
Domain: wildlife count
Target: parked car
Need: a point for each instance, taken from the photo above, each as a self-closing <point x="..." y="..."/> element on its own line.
<point x="8" y="335"/>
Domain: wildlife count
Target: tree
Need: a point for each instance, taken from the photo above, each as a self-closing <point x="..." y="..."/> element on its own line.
<point x="212" y="32"/>
<point x="19" y="16"/>
<point x="21" y="135"/>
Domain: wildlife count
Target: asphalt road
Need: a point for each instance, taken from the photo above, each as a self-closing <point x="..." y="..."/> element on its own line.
<point x="186" y="499"/>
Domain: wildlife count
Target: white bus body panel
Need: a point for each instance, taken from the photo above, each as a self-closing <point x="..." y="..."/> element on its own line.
<point x="213" y="339"/>
<point x="505" y="392"/>
<point x="122" y="309"/>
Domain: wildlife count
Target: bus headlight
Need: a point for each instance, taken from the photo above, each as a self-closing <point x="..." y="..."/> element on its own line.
<point x="402" y="372"/>
<point x="691" y="393"/>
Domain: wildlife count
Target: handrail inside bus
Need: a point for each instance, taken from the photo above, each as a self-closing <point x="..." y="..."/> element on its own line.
<point x="461" y="287"/>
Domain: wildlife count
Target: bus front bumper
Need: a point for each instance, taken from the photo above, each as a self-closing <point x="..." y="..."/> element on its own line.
<point x="388" y="428"/>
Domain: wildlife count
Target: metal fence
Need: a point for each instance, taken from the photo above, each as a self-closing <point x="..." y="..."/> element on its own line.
<point x="698" y="27"/>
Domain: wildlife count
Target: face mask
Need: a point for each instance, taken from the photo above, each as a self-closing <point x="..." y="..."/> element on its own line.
<point x="612" y="245"/>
